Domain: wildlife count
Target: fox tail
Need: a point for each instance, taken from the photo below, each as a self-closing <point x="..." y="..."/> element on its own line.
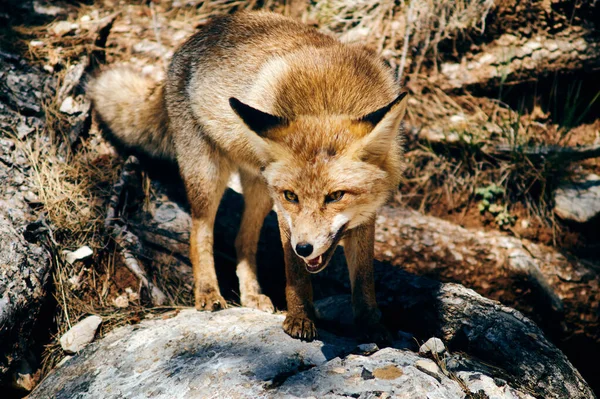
<point x="134" y="110"/>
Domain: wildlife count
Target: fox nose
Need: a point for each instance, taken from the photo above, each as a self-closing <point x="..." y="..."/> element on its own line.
<point x="304" y="249"/>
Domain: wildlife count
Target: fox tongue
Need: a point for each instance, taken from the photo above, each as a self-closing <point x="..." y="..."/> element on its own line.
<point x="316" y="261"/>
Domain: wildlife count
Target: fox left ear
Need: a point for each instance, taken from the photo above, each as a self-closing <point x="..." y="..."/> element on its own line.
<point x="385" y="122"/>
<point x="258" y="121"/>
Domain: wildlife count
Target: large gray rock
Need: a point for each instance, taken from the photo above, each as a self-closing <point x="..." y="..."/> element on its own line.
<point x="242" y="353"/>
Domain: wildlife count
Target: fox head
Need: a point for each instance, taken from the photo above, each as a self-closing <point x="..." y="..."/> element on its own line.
<point x="327" y="174"/>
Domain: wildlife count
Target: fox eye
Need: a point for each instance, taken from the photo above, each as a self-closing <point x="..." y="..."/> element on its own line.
<point x="290" y="196"/>
<point x="334" y="197"/>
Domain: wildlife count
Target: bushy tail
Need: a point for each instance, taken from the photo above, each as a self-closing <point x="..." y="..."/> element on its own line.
<point x="133" y="108"/>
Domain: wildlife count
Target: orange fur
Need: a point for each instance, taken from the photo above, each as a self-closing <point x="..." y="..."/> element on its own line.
<point x="299" y="114"/>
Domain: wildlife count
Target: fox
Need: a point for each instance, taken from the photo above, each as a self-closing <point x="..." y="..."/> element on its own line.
<point x="313" y="127"/>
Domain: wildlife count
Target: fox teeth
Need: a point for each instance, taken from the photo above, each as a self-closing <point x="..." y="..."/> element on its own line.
<point x="315" y="261"/>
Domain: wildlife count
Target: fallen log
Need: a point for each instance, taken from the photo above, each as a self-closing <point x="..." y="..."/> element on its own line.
<point x="555" y="155"/>
<point x="511" y="60"/>
<point x="25" y="263"/>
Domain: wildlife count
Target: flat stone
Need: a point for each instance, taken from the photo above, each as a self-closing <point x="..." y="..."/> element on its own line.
<point x="429" y="367"/>
<point x="80" y="335"/>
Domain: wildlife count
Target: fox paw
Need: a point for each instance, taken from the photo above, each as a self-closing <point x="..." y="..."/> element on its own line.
<point x="300" y="327"/>
<point x="378" y="334"/>
<point x="258" y="301"/>
<point x="210" y="301"/>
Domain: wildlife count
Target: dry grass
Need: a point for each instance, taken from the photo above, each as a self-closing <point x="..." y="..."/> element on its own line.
<point x="72" y="190"/>
<point x="394" y="27"/>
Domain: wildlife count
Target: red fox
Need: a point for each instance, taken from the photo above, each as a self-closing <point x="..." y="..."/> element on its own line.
<point x="311" y="124"/>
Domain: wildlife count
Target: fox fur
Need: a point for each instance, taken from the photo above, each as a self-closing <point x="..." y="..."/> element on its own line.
<point x="311" y="124"/>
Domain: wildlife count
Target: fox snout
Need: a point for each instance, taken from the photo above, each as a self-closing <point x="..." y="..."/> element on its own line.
<point x="317" y="253"/>
<point x="309" y="244"/>
<point x="304" y="249"/>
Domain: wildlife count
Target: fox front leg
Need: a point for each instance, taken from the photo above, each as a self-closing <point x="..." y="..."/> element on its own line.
<point x="359" y="247"/>
<point x="299" y="322"/>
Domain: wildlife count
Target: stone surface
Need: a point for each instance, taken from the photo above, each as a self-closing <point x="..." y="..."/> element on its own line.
<point x="493" y="388"/>
<point x="80" y="335"/>
<point x="578" y="201"/>
<point x="509" y="345"/>
<point x="429" y="367"/>
<point x="238" y="353"/>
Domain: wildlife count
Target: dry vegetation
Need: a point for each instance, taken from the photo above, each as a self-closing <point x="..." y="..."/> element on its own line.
<point x="74" y="183"/>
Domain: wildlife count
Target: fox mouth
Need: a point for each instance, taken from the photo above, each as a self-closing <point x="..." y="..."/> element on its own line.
<point x="319" y="263"/>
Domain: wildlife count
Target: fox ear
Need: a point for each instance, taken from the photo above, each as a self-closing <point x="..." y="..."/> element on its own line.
<point x="258" y="121"/>
<point x="385" y="122"/>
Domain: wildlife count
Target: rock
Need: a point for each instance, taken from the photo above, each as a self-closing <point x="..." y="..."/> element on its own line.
<point x="433" y="346"/>
<point x="513" y="59"/>
<point x="492" y="388"/>
<point x="69" y="106"/>
<point x="429" y="367"/>
<point x="366" y="349"/>
<point x="81" y="253"/>
<point x="80" y="334"/>
<point x="560" y="293"/>
<point x="121" y="301"/>
<point x="63" y="27"/>
<point x="241" y="353"/>
<point x="578" y="201"/>
<point x="335" y="309"/>
<point x="469" y="323"/>
<point x="24" y="272"/>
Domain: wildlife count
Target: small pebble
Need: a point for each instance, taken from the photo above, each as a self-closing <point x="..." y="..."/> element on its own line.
<point x="80" y="334"/>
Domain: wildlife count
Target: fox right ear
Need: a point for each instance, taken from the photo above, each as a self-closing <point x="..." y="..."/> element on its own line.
<point x="258" y="121"/>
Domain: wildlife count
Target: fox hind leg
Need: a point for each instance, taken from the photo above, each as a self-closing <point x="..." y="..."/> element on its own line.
<point x="205" y="174"/>
<point x="257" y="204"/>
